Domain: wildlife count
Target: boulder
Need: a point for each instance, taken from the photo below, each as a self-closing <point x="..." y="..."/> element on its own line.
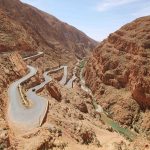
<point x="82" y="107"/>
<point x="54" y="91"/>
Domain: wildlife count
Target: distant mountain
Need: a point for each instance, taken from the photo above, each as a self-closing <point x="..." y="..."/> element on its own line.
<point x="37" y="30"/>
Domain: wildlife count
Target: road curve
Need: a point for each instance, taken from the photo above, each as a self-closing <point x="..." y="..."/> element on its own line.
<point x="69" y="84"/>
<point x="64" y="78"/>
<point x="33" y="116"/>
<point x="38" y="54"/>
<point x="18" y="114"/>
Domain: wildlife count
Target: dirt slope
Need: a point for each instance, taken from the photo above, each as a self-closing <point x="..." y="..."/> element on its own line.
<point x="13" y="36"/>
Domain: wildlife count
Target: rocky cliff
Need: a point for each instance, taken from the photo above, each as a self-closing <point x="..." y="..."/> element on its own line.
<point x="118" y="73"/>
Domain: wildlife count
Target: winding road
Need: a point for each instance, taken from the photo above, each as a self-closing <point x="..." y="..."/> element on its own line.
<point x="33" y="116"/>
<point x="17" y="113"/>
<point x="69" y="84"/>
<point x="64" y="78"/>
<point x="26" y="118"/>
<point x="20" y="115"/>
<point x="38" y="54"/>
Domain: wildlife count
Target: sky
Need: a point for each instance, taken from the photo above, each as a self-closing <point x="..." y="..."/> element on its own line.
<point x="96" y="18"/>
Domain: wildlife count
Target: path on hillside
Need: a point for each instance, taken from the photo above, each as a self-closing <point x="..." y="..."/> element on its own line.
<point x="17" y="112"/>
<point x="69" y="84"/>
<point x="33" y="116"/>
<point x="33" y="56"/>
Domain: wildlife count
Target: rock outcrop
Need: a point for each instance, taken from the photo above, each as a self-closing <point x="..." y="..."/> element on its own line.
<point x="82" y="107"/>
<point x="118" y="72"/>
<point x="54" y="91"/>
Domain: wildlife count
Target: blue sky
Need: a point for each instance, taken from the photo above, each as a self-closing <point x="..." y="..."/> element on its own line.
<point x="97" y="18"/>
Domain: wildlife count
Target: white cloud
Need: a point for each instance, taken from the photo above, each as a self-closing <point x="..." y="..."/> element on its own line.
<point x="142" y="12"/>
<point x="109" y="4"/>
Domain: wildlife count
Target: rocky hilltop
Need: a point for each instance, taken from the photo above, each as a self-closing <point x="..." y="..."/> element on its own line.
<point x="27" y="29"/>
<point x="118" y="74"/>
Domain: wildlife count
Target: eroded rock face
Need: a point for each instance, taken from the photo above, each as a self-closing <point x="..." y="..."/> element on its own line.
<point x="54" y="91"/>
<point x="118" y="71"/>
<point x="11" y="67"/>
<point x="82" y="107"/>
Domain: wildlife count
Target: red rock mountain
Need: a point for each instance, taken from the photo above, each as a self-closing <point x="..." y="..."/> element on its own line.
<point x="118" y="73"/>
<point x="36" y="30"/>
<point x="13" y="36"/>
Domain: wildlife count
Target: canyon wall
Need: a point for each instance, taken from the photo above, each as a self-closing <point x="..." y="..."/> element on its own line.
<point x="118" y="74"/>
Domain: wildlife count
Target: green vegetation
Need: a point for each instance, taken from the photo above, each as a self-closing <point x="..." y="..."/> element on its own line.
<point x="124" y="131"/>
<point x="115" y="125"/>
<point x="82" y="63"/>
